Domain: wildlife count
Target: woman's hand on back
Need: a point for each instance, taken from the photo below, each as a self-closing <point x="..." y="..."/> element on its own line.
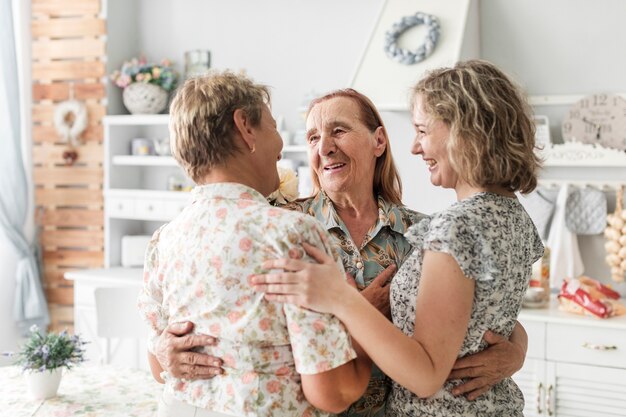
<point x="175" y="355"/>
<point x="484" y="369"/>
<point x="320" y="286"/>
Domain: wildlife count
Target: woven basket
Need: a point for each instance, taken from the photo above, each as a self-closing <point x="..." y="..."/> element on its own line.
<point x="144" y="98"/>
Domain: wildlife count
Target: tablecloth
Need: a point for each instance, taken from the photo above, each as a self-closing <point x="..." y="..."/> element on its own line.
<point x="84" y="392"/>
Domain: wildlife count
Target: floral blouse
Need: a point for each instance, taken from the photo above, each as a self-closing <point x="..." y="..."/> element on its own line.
<point x="197" y="270"/>
<point x="495" y="243"/>
<point x="383" y="245"/>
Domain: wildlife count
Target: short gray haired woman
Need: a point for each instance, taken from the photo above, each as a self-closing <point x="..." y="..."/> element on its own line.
<point x="279" y="360"/>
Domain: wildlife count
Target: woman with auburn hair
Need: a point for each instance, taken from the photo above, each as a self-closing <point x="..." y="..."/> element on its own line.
<point x="358" y="200"/>
<point x="472" y="262"/>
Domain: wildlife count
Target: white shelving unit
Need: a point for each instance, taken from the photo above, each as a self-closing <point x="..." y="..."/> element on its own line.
<point x="137" y="200"/>
<point x="136" y="196"/>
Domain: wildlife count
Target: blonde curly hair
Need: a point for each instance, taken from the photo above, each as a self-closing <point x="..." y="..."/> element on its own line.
<point x="492" y="132"/>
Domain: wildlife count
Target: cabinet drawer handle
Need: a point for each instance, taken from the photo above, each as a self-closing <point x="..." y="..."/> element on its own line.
<point x="549" y="400"/>
<point x="592" y="346"/>
<point x="539" y="398"/>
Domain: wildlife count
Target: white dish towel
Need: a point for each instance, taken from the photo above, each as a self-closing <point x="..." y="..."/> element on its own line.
<point x="565" y="260"/>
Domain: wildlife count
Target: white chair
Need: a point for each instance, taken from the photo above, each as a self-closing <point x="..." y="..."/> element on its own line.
<point x="118" y="318"/>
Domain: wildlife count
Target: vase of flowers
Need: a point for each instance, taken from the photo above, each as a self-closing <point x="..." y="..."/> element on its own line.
<point x="146" y="86"/>
<point x="43" y="358"/>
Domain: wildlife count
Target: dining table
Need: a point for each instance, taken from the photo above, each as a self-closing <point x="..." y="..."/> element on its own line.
<point x="85" y="391"/>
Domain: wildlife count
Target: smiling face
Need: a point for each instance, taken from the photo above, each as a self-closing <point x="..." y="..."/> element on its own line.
<point x="430" y="140"/>
<point x="342" y="150"/>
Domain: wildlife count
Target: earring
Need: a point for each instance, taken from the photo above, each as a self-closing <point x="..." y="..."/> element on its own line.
<point x="253" y="148"/>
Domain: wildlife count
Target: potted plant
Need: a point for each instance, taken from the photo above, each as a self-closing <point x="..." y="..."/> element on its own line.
<point x="43" y="358"/>
<point x="146" y="85"/>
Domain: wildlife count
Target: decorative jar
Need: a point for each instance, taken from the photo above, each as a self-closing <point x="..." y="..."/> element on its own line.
<point x="197" y="63"/>
<point x="145" y="98"/>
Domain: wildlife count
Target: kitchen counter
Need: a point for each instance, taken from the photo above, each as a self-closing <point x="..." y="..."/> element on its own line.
<point x="112" y="276"/>
<point x="552" y="314"/>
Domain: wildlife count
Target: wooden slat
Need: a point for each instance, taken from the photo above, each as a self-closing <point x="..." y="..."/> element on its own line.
<point x="68" y="28"/>
<point x="47" y="134"/>
<point x="89" y="153"/>
<point x="62" y="313"/>
<point x="72" y="238"/>
<point x="44" y="113"/>
<point x="68" y="48"/>
<point x="74" y="258"/>
<point x="72" y="217"/>
<point x="58" y="327"/>
<point x="68" y="197"/>
<point x="53" y="275"/>
<point x="67" y="175"/>
<point x="60" y="295"/>
<point x="65" y="7"/>
<point x="67" y="70"/>
<point x="61" y="91"/>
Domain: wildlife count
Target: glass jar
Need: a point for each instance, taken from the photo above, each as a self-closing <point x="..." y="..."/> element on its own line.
<point x="197" y="63"/>
<point x="538" y="292"/>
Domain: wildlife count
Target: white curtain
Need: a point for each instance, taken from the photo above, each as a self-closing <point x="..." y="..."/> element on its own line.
<point x="29" y="302"/>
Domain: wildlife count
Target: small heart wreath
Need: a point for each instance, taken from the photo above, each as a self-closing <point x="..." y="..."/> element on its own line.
<point x="70" y="120"/>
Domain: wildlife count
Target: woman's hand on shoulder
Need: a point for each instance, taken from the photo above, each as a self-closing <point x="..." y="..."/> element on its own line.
<point x="318" y="286"/>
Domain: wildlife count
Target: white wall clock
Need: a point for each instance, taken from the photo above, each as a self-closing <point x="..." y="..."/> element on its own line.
<point x="597" y="119"/>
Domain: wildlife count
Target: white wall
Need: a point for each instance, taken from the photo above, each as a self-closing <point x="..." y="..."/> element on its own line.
<point x="296" y="46"/>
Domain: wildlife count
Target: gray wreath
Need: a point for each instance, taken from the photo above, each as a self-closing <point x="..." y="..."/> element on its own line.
<point x="410" y="57"/>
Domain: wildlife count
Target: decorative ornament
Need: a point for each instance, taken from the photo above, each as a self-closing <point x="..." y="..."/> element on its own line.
<point x="69" y="157"/>
<point x="410" y="57"/>
<point x="70" y="120"/>
<point x="615" y="234"/>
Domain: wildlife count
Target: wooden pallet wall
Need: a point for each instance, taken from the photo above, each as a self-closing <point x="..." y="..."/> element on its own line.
<point x="68" y="60"/>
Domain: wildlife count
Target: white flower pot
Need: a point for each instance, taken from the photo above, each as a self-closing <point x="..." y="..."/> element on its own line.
<point x="144" y="98"/>
<point x="44" y="384"/>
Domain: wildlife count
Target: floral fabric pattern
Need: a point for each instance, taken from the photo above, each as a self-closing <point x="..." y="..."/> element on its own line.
<point x="383" y="245"/>
<point x="197" y="269"/>
<point x="494" y="241"/>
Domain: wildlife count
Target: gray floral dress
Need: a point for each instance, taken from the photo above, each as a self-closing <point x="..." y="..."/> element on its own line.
<point x="494" y="241"/>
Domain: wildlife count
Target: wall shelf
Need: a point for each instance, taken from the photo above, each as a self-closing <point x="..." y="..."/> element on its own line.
<point x="576" y="154"/>
<point x="136" y="119"/>
<point x="134" y="160"/>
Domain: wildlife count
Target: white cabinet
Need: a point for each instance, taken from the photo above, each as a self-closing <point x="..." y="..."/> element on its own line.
<point x="575" y="366"/>
<point x="136" y="196"/>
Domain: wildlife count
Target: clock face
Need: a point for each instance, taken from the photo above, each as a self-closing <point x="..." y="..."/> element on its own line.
<point x="599" y="119"/>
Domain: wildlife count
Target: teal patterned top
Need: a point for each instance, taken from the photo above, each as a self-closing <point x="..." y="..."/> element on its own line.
<point x="384" y="244"/>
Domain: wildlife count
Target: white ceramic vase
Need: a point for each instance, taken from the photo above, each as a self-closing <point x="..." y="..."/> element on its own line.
<point x="145" y="98"/>
<point x="44" y="384"/>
